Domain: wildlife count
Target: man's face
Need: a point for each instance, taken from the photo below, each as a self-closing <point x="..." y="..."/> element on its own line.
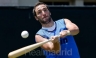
<point x="42" y="14"/>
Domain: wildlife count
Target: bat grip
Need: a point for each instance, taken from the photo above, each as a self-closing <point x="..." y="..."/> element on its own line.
<point x="52" y="39"/>
<point x="57" y="35"/>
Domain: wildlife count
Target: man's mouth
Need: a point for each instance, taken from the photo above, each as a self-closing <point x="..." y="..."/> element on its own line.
<point x="45" y="17"/>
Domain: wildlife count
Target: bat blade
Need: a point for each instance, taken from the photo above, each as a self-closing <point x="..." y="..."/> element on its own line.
<point x="26" y="49"/>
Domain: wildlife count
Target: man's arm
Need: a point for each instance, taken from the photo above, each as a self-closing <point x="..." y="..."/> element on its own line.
<point x="50" y="46"/>
<point x="73" y="28"/>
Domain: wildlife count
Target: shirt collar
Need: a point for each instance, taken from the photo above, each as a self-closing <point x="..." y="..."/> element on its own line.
<point x="50" y="28"/>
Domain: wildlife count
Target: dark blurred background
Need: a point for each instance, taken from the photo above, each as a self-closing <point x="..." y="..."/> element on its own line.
<point x="14" y="20"/>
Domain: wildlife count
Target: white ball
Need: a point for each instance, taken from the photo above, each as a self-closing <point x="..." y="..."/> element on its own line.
<point x="24" y="34"/>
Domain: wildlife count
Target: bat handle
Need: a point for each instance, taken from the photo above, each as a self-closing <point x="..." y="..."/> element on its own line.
<point x="56" y="36"/>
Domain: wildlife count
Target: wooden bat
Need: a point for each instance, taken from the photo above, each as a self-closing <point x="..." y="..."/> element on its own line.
<point x="26" y="49"/>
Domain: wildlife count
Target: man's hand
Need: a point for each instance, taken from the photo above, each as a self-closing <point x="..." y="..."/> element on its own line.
<point x="64" y="33"/>
<point x="55" y="39"/>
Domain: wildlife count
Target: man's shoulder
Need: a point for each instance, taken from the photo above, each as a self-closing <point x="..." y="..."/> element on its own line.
<point x="59" y="20"/>
<point x="40" y="32"/>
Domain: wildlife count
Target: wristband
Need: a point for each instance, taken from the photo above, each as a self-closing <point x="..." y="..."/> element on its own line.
<point x="68" y="32"/>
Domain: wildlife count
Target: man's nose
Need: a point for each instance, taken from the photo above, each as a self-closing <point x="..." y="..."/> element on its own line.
<point x="43" y="12"/>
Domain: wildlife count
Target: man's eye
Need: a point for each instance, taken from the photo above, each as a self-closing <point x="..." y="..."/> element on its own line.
<point x="39" y="12"/>
<point x="45" y="9"/>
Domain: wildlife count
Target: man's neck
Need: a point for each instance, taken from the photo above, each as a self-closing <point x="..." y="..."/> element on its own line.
<point x="50" y="24"/>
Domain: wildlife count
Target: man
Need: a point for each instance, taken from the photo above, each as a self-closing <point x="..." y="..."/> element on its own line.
<point x="63" y="47"/>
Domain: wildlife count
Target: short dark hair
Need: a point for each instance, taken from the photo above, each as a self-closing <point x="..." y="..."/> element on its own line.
<point x="39" y="3"/>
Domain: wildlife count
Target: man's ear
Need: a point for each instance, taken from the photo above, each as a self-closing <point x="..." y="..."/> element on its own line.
<point x="36" y="18"/>
<point x="49" y="12"/>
